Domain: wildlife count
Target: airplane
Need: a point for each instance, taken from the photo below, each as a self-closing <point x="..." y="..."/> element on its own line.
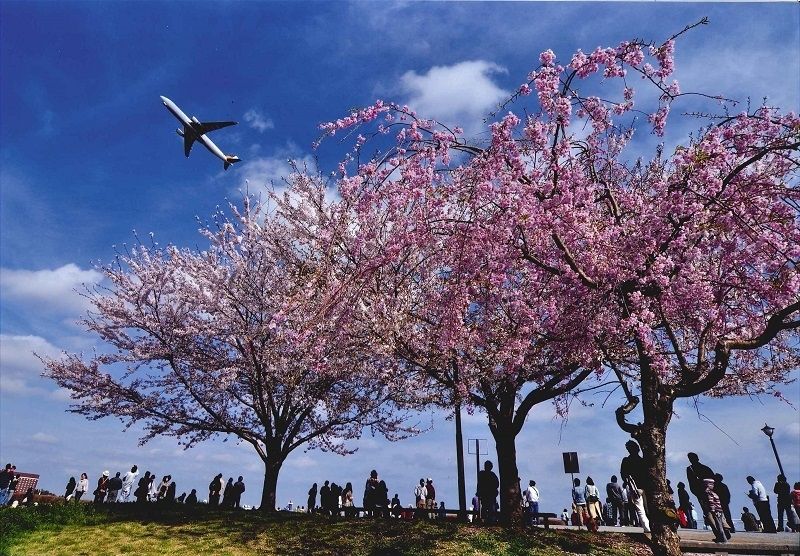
<point x="195" y="130"/>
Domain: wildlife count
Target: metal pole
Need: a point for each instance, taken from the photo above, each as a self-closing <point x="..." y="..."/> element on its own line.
<point x="477" y="460"/>
<point x="777" y="458"/>
<point x="462" y="489"/>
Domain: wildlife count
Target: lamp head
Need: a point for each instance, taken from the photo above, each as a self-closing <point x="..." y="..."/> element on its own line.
<point x="768" y="430"/>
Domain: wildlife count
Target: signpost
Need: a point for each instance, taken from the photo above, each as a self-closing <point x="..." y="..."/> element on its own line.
<point x="571" y="467"/>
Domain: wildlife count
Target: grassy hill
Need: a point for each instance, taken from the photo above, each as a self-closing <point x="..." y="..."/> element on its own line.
<point x="80" y="529"/>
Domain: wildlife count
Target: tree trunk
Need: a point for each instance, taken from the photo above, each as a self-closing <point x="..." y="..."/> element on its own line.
<point x="271" y="470"/>
<point x="510" y="508"/>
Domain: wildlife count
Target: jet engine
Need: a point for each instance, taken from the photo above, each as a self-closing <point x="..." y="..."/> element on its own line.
<point x="179" y="131"/>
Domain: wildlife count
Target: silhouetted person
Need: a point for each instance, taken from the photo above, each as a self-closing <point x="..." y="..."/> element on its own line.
<point x="214" y="490"/>
<point x="114" y="486"/>
<point x="181" y="499"/>
<point x="191" y="500"/>
<point x="633" y="466"/>
<point x="143" y="488"/>
<point x="488" y="485"/>
<point x="227" y="495"/>
<point x="758" y="495"/>
<point x="312" y="498"/>
<point x="395" y="506"/>
<point x="616" y="500"/>
<point x="336" y="495"/>
<point x="325" y="498"/>
<point x="696" y="473"/>
<point x="784" y="493"/>
<point x="70" y="488"/>
<point x="371" y="496"/>
<point x="169" y="497"/>
<point x="724" y="494"/>
<point x="238" y="490"/>
<point x="28" y="500"/>
<point x="749" y="521"/>
<point x="686" y="505"/>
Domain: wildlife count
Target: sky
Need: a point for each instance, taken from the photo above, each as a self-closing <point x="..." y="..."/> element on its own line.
<point x="89" y="160"/>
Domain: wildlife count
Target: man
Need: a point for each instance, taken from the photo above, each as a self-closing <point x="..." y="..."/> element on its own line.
<point x="696" y="473"/>
<point x="325" y="498"/>
<point x="758" y="494"/>
<point x="5" y="481"/>
<point x="114" y="486"/>
<point x="238" y="489"/>
<point x="724" y="494"/>
<point x="488" y="485"/>
<point x="420" y="492"/>
<point x="430" y="496"/>
<point x="531" y="496"/>
<point x="784" y="494"/>
<point x="634" y="467"/>
<point x="616" y="500"/>
<point x="127" y="484"/>
<point x="102" y="488"/>
<point x="749" y="521"/>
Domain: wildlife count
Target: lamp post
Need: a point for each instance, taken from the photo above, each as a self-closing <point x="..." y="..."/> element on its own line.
<point x="769" y="431"/>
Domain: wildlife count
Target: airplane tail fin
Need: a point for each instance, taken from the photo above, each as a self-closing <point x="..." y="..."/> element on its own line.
<point x="232" y="159"/>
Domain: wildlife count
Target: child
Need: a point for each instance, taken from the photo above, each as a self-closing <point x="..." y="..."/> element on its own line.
<point x="715" y="518"/>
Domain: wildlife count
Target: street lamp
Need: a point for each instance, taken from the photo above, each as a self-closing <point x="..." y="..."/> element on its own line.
<point x="769" y="431"/>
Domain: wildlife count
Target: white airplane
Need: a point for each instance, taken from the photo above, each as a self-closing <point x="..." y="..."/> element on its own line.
<point x="195" y="130"/>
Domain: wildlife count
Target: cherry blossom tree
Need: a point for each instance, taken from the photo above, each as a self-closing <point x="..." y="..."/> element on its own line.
<point x="240" y="339"/>
<point x="677" y="274"/>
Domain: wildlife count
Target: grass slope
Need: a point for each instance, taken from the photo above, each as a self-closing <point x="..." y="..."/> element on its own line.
<point x="79" y="529"/>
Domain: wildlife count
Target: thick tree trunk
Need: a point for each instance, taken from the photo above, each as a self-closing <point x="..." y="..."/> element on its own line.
<point x="271" y="470"/>
<point x="510" y="508"/>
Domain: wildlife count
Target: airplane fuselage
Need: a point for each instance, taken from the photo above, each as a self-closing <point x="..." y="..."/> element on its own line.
<point x="193" y="128"/>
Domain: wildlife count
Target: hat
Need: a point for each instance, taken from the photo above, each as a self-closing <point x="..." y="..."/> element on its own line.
<point x="105" y="473"/>
<point x="430" y="480"/>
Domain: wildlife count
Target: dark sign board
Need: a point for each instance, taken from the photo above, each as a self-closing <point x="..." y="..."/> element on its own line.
<point x="570" y="462"/>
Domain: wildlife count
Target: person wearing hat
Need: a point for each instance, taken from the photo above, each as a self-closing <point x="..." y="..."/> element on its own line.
<point x="102" y="488"/>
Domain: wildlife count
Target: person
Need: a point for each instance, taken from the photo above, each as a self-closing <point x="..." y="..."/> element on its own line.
<point x="724" y="494"/>
<point x="191" y="500"/>
<point x="127" y="483"/>
<point x="420" y="491"/>
<point x="476" y="507"/>
<point x="83" y="486"/>
<point x="696" y="473"/>
<point x="347" y="500"/>
<point x="324" y="497"/>
<point x="114" y="486"/>
<point x="238" y="490"/>
<point x="441" y="515"/>
<point x="143" y="488"/>
<point x="565" y="516"/>
<point x="758" y="495"/>
<point x="102" y="488"/>
<point x="312" y="498"/>
<point x="395" y="506"/>
<point x="633" y="465"/>
<point x="162" y="488"/>
<point x="371" y="492"/>
<point x="578" y="503"/>
<point x="430" y="496"/>
<point x="616" y="501"/>
<point x="531" y="497"/>
<point x="6" y="475"/>
<point x="214" y="490"/>
<point x="686" y="505"/>
<point x="227" y="494"/>
<point x="714" y="517"/>
<point x="488" y="485"/>
<point x="796" y="502"/>
<point x="169" y="497"/>
<point x="181" y="499"/>
<point x="634" y="494"/>
<point x="592" y="496"/>
<point x="336" y="499"/>
<point x="749" y="521"/>
<point x="153" y="488"/>
<point x="784" y="494"/>
<point x="70" y="489"/>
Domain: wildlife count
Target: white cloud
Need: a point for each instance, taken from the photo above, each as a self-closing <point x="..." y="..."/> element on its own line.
<point x="461" y="94"/>
<point x="20" y="368"/>
<point x="44" y="438"/>
<point x="258" y="121"/>
<point x="56" y="291"/>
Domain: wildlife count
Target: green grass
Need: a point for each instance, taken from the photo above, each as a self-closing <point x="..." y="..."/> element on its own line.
<point x="80" y="529"/>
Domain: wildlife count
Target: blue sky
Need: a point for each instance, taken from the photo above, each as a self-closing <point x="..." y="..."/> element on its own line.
<point x="88" y="154"/>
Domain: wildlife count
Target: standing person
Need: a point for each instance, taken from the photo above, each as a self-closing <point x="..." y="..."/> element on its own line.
<point x="238" y="490"/>
<point x="488" y="485"/>
<point x="347" y="500"/>
<point x="127" y="483"/>
<point x="633" y="466"/>
<point x="430" y="496"/>
<point x="83" y="486"/>
<point x="191" y="500"/>
<point x="102" y="488"/>
<point x="371" y="491"/>
<point x="578" y="502"/>
<point x="531" y="496"/>
<point x="476" y="507"/>
<point x="161" y="493"/>
<point x="382" y="496"/>
<point x="214" y="490"/>
<point x="724" y="494"/>
<point x="143" y="488"/>
<point x="593" y="501"/>
<point x="634" y="494"/>
<point x="169" y="496"/>
<point x="312" y="498"/>
<point x="70" y="489"/>
<point x="153" y="488"/>
<point x="325" y="498"/>
<point x="395" y="506"/>
<point x="696" y="473"/>
<point x="227" y="494"/>
<point x="114" y="486"/>
<point x="758" y="495"/>
<point x="616" y="501"/>
<point x="420" y="492"/>
<point x="784" y="493"/>
<point x="6" y="475"/>
<point x="796" y="499"/>
<point x="686" y="505"/>
<point x="714" y="516"/>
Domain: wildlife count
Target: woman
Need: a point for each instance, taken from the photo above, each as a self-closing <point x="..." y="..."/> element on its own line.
<point x="312" y="498"/>
<point x="70" y="489"/>
<point x="83" y="486"/>
<point x="592" y="496"/>
<point x="347" y="500"/>
<point x="634" y="496"/>
<point x="227" y="495"/>
<point x="162" y="488"/>
<point x="371" y="492"/>
<point x="579" y="502"/>
<point x="214" y="488"/>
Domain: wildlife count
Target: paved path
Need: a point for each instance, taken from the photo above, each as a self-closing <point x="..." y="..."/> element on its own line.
<point x="699" y="541"/>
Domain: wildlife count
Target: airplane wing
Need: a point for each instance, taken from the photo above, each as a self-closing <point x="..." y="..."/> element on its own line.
<point x="188" y="141"/>
<point x="207" y="127"/>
